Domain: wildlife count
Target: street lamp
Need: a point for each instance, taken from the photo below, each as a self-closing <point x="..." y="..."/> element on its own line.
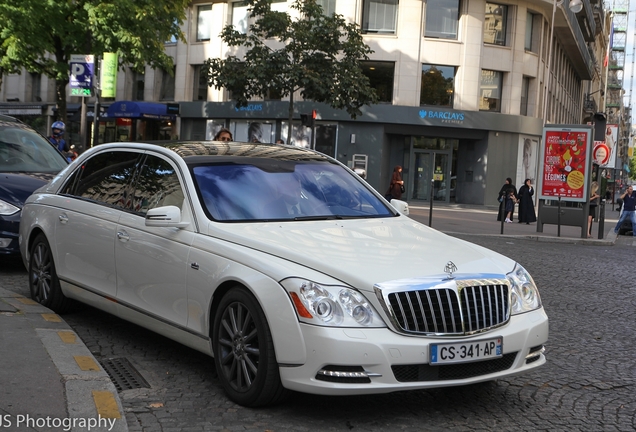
<point x="575" y="6"/>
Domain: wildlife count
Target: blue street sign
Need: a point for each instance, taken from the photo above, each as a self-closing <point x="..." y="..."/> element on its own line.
<point x="81" y="77"/>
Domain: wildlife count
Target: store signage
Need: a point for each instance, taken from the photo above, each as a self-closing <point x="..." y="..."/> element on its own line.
<point x="81" y="74"/>
<point x="250" y="107"/>
<point x="108" y="76"/>
<point x="442" y="115"/>
<point x="565" y="159"/>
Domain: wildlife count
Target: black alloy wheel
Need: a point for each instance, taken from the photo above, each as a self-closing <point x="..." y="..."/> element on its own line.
<point x="43" y="282"/>
<point x="244" y="352"/>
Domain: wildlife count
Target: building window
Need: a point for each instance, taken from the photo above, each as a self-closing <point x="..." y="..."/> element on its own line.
<point x="380" y="76"/>
<point x="139" y="84"/>
<point x="240" y="16"/>
<point x="328" y="6"/>
<point x="490" y="90"/>
<point x="442" y="19"/>
<point x="200" y="83"/>
<point x="495" y="24"/>
<point x="438" y="85"/>
<point x="204" y="22"/>
<point x="36" y="87"/>
<point x="380" y="16"/>
<point x="278" y="6"/>
<point x="167" y="85"/>
<point x="525" y="86"/>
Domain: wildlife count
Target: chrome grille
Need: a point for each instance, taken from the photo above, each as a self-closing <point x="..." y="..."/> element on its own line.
<point x="463" y="309"/>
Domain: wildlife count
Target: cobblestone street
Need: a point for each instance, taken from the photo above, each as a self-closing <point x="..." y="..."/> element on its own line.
<point x="588" y="383"/>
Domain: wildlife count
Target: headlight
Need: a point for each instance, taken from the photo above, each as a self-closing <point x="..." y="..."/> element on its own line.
<point x="525" y="294"/>
<point x="7" y="209"/>
<point x="331" y="306"/>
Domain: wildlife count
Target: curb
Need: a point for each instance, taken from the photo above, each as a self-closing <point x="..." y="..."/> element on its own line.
<point x="92" y="401"/>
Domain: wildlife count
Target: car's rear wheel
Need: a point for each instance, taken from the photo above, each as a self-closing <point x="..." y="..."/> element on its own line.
<point x="244" y="351"/>
<point x="43" y="282"/>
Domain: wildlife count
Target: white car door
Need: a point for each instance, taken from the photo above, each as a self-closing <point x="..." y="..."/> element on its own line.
<point x="86" y="226"/>
<point x="152" y="261"/>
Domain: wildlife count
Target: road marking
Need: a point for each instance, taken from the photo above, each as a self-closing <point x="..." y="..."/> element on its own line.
<point x="52" y="317"/>
<point x="86" y="363"/>
<point x="67" y="337"/>
<point x="106" y="404"/>
<point x="27" y="301"/>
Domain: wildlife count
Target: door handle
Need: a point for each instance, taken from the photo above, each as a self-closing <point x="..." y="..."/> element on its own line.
<point x="63" y="218"/>
<point x="123" y="236"/>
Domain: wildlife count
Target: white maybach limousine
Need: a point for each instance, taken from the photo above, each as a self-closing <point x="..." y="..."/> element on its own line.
<point x="282" y="264"/>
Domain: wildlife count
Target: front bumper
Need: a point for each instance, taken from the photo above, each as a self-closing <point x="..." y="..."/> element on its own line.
<point x="383" y="355"/>
<point x="9" y="229"/>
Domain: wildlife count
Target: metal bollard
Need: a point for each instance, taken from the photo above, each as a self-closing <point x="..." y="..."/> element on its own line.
<point x="601" y="220"/>
<point x="430" y="212"/>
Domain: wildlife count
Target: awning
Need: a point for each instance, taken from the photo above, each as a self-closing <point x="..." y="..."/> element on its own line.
<point x="145" y="110"/>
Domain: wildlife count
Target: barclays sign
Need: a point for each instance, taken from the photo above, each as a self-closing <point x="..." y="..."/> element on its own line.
<point x="442" y="116"/>
<point x="250" y="107"/>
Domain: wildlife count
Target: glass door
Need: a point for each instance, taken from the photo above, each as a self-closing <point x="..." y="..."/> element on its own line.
<point x="432" y="166"/>
<point x="422" y="175"/>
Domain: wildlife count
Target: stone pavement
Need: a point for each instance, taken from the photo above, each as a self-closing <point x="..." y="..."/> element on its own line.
<point x="63" y="387"/>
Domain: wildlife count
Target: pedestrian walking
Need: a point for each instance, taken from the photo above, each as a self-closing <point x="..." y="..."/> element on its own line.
<point x="594" y="199"/>
<point x="629" y="204"/>
<point x="504" y="196"/>
<point x="526" y="204"/>
<point x="396" y="187"/>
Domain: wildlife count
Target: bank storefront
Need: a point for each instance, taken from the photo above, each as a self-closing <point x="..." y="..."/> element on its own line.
<point x="451" y="155"/>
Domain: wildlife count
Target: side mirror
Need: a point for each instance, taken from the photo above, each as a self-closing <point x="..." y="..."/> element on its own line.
<point x="400" y="206"/>
<point x="166" y="216"/>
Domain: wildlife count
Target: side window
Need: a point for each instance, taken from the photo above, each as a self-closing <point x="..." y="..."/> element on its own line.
<point x="157" y="185"/>
<point x="106" y="177"/>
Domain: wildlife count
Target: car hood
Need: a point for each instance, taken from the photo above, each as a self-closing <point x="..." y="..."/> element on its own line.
<point x="367" y="252"/>
<point x="15" y="188"/>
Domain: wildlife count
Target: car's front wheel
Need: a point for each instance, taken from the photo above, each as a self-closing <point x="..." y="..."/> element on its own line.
<point x="244" y="352"/>
<point x="43" y="282"/>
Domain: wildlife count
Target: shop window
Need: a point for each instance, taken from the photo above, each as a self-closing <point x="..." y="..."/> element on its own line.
<point x="381" y="75"/>
<point x="328" y="6"/>
<point x="438" y="85"/>
<point x="167" y="84"/>
<point x="200" y="83"/>
<point x="204" y="22"/>
<point x="495" y="24"/>
<point x="380" y="16"/>
<point x="240" y="16"/>
<point x="490" y="90"/>
<point x="442" y="19"/>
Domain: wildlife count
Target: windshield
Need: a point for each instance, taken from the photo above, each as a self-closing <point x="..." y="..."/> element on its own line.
<point x="23" y="150"/>
<point x="298" y="191"/>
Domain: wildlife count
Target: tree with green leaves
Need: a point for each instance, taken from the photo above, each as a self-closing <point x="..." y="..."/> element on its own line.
<point x="41" y="35"/>
<point x="317" y="54"/>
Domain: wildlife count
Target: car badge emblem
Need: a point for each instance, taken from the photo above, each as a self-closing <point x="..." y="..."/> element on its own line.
<point x="450" y="269"/>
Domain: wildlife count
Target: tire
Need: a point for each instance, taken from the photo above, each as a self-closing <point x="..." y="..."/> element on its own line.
<point x="244" y="352"/>
<point x="43" y="282"/>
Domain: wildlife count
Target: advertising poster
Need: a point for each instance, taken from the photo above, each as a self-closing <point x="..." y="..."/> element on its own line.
<point x="527" y="160"/>
<point x="564" y="164"/>
<point x="611" y="138"/>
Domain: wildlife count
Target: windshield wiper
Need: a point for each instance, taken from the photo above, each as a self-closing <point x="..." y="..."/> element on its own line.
<point x="320" y="217"/>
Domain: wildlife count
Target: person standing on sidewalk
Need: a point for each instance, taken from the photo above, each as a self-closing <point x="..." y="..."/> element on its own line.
<point x="504" y="196"/>
<point x="629" y="210"/>
<point x="396" y="188"/>
<point x="526" y="205"/>
<point x="594" y="197"/>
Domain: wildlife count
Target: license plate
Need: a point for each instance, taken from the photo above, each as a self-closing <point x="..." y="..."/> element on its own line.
<point x="466" y="351"/>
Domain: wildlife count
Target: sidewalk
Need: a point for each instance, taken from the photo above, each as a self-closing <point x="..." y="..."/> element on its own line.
<point x="49" y="380"/>
<point x="482" y="220"/>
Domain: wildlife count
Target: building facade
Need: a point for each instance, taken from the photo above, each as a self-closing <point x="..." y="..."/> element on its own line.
<point x="465" y="88"/>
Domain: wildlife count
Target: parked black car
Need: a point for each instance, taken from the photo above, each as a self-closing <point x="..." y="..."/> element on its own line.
<point x="27" y="161"/>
